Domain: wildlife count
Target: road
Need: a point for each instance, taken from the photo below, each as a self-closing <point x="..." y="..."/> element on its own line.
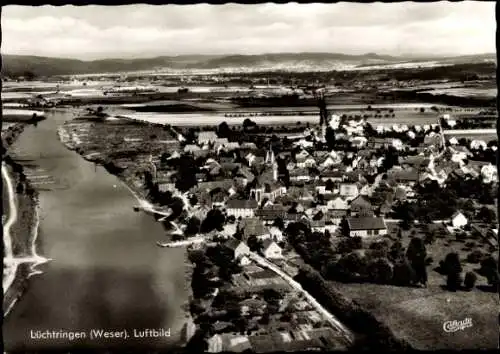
<point x="348" y="335"/>
<point x="469" y="131"/>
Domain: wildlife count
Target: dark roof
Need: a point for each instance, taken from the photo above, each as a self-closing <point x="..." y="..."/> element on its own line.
<point x="332" y="174"/>
<point x="336" y="213"/>
<point x="267" y="243"/>
<point x="271" y="212"/>
<point x="366" y="223"/>
<point x="360" y="203"/>
<point x="252" y="226"/>
<point x="404" y="175"/>
<point x="241" y="204"/>
<point x="416" y="160"/>
<point x="232" y="243"/>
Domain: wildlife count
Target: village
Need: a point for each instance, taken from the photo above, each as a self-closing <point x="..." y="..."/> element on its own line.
<point x="360" y="203"/>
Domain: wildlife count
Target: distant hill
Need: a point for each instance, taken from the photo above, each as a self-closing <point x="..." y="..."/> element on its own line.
<point x="17" y="65"/>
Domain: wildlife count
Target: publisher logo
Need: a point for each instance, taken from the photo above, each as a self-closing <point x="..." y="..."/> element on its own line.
<point x="454" y="326"/>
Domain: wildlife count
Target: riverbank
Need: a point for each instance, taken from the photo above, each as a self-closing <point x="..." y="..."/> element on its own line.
<point x="22" y="234"/>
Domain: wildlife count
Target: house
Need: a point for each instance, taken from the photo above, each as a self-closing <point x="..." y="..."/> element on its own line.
<point x="227" y="342"/>
<point x="459" y="153"/>
<point x="349" y="190"/>
<point x="269" y="213"/>
<point x="334" y="176"/>
<point x="360" y="206"/>
<point x="408" y="176"/>
<point x="191" y="148"/>
<point x="248" y="146"/>
<point x="253" y="227"/>
<point x="338" y="203"/>
<point x="299" y="175"/>
<point x="266" y="188"/>
<point x="397" y="144"/>
<point x="433" y="139"/>
<point x="271" y="250"/>
<point x="318" y="222"/>
<point x="458" y="220"/>
<point x="478" y="145"/>
<point x="276" y="234"/>
<point x="336" y="216"/>
<point x="328" y="161"/>
<point x="366" y="226"/>
<point x="241" y="208"/>
<point x="239" y="248"/>
<point x="206" y="137"/>
<point x="359" y="141"/>
<point x="305" y="162"/>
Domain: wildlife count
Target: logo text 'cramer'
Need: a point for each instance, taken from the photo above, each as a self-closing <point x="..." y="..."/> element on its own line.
<point x="454" y="326"/>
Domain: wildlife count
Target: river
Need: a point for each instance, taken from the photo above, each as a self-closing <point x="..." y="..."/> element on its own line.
<point x="106" y="272"/>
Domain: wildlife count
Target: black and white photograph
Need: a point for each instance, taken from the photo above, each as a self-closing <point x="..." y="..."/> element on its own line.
<point x="250" y="178"/>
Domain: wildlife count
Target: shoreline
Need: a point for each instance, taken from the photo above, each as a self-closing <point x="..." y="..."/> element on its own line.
<point x="24" y="260"/>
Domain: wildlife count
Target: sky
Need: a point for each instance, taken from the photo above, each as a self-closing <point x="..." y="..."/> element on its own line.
<point x="133" y="31"/>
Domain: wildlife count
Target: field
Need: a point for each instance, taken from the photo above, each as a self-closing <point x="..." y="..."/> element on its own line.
<point x="418" y="314"/>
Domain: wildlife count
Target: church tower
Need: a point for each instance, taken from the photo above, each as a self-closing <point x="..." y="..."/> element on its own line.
<point x="323" y="114"/>
<point x="270" y="159"/>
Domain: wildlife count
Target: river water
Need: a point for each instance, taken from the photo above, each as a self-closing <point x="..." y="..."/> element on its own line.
<point x="106" y="272"/>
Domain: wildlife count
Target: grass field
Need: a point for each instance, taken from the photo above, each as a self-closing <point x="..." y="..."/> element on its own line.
<point x="418" y="314"/>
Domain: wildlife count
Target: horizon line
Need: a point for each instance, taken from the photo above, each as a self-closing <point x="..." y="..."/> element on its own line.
<point x="152" y="56"/>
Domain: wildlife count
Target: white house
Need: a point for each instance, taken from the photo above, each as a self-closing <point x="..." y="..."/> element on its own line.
<point x="366" y="226"/>
<point x="349" y="190"/>
<point x="397" y="144"/>
<point x="328" y="162"/>
<point x="489" y="173"/>
<point x="240" y="249"/>
<point x="276" y="234"/>
<point x="458" y="220"/>
<point x="241" y="208"/>
<point x="306" y="162"/>
<point x="453" y="141"/>
<point x="359" y="141"/>
<point x="478" y="145"/>
<point x="206" y="137"/>
<point x="191" y="148"/>
<point x="271" y="250"/>
<point x="338" y="204"/>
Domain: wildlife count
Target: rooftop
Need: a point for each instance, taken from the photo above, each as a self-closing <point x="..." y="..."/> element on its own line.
<point x="366" y="223"/>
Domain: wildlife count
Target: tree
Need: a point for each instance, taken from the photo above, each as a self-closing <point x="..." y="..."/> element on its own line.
<point x="489" y="269"/>
<point x="403" y="274"/>
<point x="391" y="158"/>
<point x="213" y="221"/>
<point x="278" y="222"/>
<point x="452" y="268"/>
<point x="416" y="254"/>
<point x="223" y="130"/>
<point x="344" y="226"/>
<point x="486" y="215"/>
<point x="396" y="253"/>
<point x="193" y="226"/>
<point x="470" y="280"/>
<point x="351" y="267"/>
<point x="247" y="123"/>
<point x="380" y="271"/>
<point x="254" y="243"/>
<point x="330" y="138"/>
<point x="193" y="200"/>
<point x="20" y="188"/>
